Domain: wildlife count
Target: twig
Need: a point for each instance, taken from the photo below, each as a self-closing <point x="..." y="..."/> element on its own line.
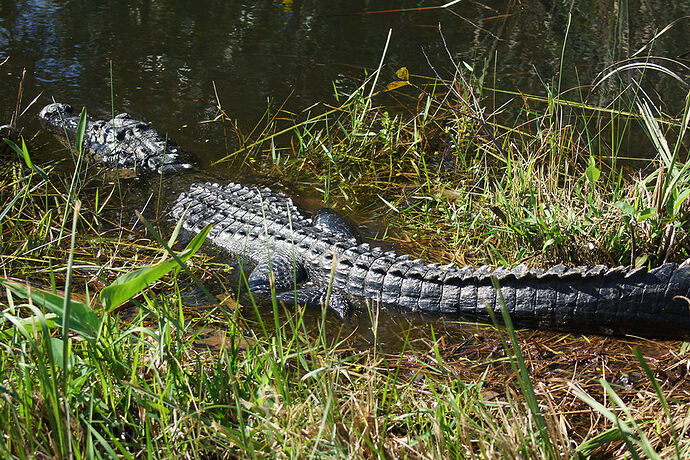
<point x="15" y="115"/>
<point x="400" y="10"/>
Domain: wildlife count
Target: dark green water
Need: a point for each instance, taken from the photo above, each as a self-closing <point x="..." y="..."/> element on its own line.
<point x="165" y="56"/>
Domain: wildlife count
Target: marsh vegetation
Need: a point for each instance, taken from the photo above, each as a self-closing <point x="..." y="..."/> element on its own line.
<point x="103" y="354"/>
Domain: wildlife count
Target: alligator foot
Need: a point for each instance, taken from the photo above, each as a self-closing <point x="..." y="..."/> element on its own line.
<point x="314" y="297"/>
<point x="282" y="275"/>
<point x="279" y="272"/>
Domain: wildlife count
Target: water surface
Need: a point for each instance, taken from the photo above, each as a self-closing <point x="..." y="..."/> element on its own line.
<point x="170" y="61"/>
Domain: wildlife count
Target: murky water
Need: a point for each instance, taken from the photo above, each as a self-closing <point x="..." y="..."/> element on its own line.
<point x="172" y="62"/>
<point x="166" y="61"/>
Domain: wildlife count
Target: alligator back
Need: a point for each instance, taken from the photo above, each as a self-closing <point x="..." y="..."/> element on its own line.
<point x="253" y="222"/>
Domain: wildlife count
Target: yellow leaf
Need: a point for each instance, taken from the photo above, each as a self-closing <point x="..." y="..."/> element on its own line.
<point x="403" y="74"/>
<point x="396" y="85"/>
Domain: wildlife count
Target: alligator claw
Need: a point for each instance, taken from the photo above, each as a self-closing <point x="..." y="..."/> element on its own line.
<point x="317" y="297"/>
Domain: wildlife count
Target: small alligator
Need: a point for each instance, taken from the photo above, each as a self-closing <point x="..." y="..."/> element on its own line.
<point x="319" y="261"/>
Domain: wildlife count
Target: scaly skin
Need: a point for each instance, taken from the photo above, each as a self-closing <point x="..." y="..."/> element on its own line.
<point x="291" y="250"/>
<point x="121" y="142"/>
<point x="254" y="222"/>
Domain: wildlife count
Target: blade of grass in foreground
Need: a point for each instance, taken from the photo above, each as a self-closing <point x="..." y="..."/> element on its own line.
<point x="517" y="362"/>
<point x="23" y="153"/>
<point x="660" y="395"/>
<point x="83" y="321"/>
<point x="132" y="283"/>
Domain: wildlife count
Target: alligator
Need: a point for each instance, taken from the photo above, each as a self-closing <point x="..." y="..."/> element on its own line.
<point x="318" y="260"/>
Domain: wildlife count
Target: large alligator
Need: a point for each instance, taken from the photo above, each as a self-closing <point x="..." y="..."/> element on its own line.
<point x="318" y="260"/>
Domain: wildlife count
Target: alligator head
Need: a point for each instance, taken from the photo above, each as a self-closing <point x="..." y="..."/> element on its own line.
<point x="121" y="142"/>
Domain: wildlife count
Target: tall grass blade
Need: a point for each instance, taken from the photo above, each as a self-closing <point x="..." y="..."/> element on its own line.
<point x="588" y="447"/>
<point x="83" y="320"/>
<point x="23" y="153"/>
<point x="662" y="398"/>
<point x="130" y="284"/>
<point x="518" y="364"/>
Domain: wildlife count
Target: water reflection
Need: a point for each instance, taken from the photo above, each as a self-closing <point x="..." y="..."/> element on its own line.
<point x="166" y="54"/>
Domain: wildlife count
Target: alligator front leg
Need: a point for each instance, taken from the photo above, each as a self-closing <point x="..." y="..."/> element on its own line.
<point x="284" y="275"/>
<point x="279" y="272"/>
<point x="316" y="297"/>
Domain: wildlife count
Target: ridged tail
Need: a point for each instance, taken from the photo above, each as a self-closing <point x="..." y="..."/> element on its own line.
<point x="601" y="300"/>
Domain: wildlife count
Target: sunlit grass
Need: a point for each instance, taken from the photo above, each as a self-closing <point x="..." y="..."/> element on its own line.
<point x="82" y="379"/>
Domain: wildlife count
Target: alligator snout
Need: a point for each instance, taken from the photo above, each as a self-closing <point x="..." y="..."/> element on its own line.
<point x="56" y="117"/>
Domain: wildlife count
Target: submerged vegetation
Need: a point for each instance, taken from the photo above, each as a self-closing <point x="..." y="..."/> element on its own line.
<point x="88" y="375"/>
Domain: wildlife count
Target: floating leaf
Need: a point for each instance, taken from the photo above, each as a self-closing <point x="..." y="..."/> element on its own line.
<point x="403" y="74"/>
<point x="396" y="84"/>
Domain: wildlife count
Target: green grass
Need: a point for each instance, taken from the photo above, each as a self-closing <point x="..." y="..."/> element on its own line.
<point x="549" y="189"/>
<point x="82" y="379"/>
